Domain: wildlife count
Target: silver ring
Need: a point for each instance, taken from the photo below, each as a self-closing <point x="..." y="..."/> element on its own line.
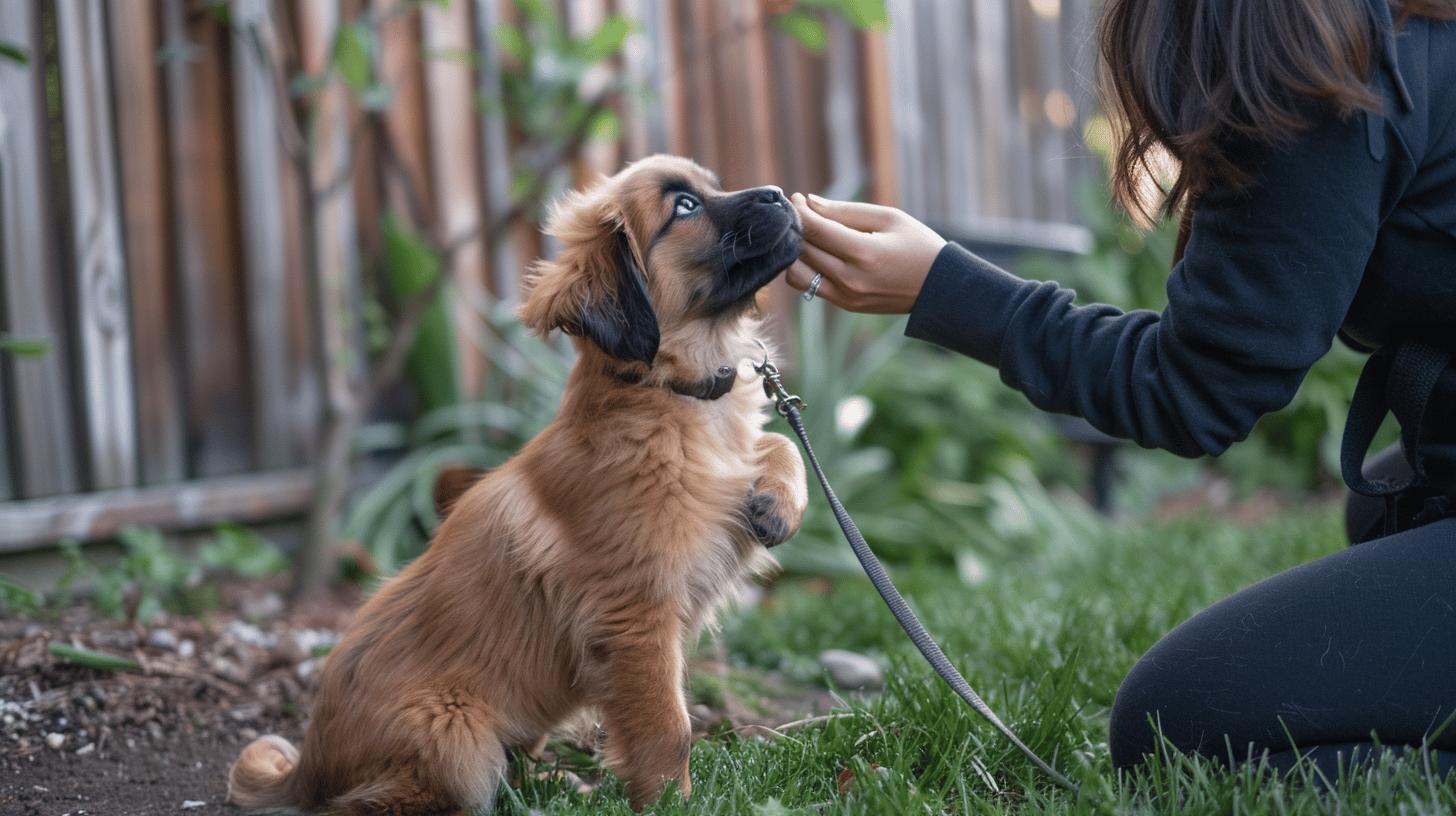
<point x="813" y="286"/>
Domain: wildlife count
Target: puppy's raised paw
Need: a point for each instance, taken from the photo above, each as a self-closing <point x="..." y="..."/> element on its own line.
<point x="772" y="518"/>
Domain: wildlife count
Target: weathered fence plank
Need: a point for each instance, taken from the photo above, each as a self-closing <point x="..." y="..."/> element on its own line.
<point x="260" y="196"/>
<point x="958" y="126"/>
<point x="909" y="123"/>
<point x="455" y="174"/>
<point x="407" y="190"/>
<point x="44" y="439"/>
<point x="7" y="481"/>
<point x="495" y="163"/>
<point x="878" y="120"/>
<point x="696" y="62"/>
<point x="598" y="157"/>
<point x="334" y="260"/>
<point x="643" y="56"/>
<point x="242" y="499"/>
<point x="676" y="84"/>
<point x="99" y="265"/>
<point x="141" y="137"/>
<point x="219" y="430"/>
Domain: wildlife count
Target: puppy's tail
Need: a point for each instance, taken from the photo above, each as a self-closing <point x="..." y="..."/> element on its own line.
<point x="261" y="776"/>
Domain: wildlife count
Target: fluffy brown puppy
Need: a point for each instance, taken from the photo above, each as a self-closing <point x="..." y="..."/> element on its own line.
<point x="572" y="576"/>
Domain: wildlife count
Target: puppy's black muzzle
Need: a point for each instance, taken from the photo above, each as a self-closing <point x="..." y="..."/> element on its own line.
<point x="760" y="236"/>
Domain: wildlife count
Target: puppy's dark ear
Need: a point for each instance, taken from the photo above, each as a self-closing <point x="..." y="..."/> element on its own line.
<point x="593" y="287"/>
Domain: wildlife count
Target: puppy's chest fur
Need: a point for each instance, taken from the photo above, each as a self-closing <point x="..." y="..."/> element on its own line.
<point x="668" y="497"/>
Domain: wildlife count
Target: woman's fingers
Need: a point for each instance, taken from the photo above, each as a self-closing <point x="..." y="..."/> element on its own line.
<point x="874" y="259"/>
<point x="817" y="261"/>
<point x="856" y="214"/>
<point x="830" y="235"/>
<point x="820" y="261"/>
<point x="800" y="275"/>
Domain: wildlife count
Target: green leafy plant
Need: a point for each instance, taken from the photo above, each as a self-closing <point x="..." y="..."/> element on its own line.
<point x="411" y="267"/>
<point x="237" y="550"/>
<point x="152" y="577"/>
<point x="24" y="346"/>
<point x="14" y="53"/>
<point x="18" y="600"/>
<point x="542" y="90"/>
<point x="804" y="22"/>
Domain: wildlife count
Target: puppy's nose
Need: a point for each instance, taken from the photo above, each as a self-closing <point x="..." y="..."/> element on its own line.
<point x="771" y="194"/>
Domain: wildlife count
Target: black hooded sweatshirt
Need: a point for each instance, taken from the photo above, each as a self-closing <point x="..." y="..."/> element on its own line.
<point x="1349" y="231"/>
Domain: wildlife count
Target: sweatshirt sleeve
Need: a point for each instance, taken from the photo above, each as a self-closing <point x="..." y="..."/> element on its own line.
<point x="1266" y="280"/>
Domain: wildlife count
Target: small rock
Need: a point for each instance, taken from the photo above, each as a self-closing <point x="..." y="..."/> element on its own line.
<point x="306" y="669"/>
<point x="186" y="648"/>
<point x="700" y="715"/>
<point x="263" y="607"/>
<point x="307" y="643"/>
<point x="119" y="640"/>
<point x="54" y="741"/>
<point x="231" y="670"/>
<point x="86" y="749"/>
<point x="249" y="634"/>
<point x="162" y="639"/>
<point x="850" y="670"/>
<point x="193" y="804"/>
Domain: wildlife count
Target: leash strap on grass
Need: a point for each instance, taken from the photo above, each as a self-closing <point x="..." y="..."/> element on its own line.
<point x="788" y="407"/>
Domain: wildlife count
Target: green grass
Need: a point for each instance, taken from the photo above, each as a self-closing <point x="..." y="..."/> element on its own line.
<point x="1045" y="636"/>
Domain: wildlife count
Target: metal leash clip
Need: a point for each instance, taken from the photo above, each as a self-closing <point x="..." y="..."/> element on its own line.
<point x="773" y="386"/>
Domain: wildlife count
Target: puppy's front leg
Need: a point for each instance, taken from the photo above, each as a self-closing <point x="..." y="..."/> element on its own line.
<point x="648" y="734"/>
<point x="779" y="495"/>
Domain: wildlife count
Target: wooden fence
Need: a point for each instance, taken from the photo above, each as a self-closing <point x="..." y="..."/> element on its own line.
<point x="155" y="230"/>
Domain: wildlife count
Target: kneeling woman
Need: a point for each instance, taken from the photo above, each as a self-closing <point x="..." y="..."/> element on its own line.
<point x="1315" y="145"/>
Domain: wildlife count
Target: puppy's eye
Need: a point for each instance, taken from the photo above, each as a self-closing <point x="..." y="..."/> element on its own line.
<point x="686" y="205"/>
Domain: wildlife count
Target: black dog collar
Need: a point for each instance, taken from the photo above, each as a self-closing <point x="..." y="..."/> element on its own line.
<point x="708" y="388"/>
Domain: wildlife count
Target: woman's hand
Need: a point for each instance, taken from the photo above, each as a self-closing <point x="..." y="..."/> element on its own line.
<point x="874" y="259"/>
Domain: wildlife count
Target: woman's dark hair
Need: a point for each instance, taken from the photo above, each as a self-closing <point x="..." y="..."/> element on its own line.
<point x="1189" y="76"/>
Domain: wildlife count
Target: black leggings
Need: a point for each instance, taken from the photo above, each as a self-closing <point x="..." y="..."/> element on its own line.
<point x="1330" y="656"/>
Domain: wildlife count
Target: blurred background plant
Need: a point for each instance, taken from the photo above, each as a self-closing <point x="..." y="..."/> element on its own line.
<point x="152" y="577"/>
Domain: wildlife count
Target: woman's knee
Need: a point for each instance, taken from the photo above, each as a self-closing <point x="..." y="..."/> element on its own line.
<point x="1149" y="710"/>
<point x="1130" y="733"/>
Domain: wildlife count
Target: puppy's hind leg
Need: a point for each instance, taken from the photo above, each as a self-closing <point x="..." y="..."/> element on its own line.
<point x="474" y="774"/>
<point x="463" y="744"/>
<point x="455" y="761"/>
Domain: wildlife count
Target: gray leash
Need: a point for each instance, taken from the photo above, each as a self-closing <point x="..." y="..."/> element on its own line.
<point x="789" y="407"/>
